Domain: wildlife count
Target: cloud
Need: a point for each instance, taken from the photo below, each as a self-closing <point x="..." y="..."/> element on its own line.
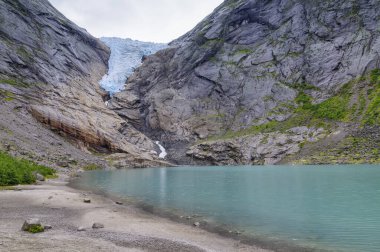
<point x="146" y="20"/>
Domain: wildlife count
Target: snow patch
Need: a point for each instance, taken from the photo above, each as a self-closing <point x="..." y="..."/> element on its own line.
<point x="126" y="55"/>
<point x="163" y="153"/>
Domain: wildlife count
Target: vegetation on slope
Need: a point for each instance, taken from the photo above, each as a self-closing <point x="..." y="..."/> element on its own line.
<point x="357" y="101"/>
<point x="354" y="149"/>
<point x="15" y="171"/>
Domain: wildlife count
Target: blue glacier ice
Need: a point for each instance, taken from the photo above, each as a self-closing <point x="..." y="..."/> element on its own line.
<point x="126" y="55"/>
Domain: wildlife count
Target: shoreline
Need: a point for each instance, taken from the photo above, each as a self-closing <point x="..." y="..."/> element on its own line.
<point x="225" y="232"/>
<point x="127" y="228"/>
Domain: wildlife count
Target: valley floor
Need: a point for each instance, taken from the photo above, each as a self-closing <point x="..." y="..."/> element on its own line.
<point x="126" y="228"/>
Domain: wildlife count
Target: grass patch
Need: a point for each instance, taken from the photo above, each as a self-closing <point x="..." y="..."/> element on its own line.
<point x="23" y="53"/>
<point x="351" y="150"/>
<point x="212" y="42"/>
<point x="304" y="87"/>
<point x="14" y="171"/>
<point x="34" y="229"/>
<point x="7" y="188"/>
<point x="6" y="95"/>
<point x="91" y="167"/>
<point x="53" y="176"/>
<point x="14" y="82"/>
<point x="375" y="76"/>
<point x="245" y="51"/>
<point x="372" y="112"/>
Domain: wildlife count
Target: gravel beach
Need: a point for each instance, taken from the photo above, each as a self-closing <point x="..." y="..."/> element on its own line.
<point x="126" y="228"/>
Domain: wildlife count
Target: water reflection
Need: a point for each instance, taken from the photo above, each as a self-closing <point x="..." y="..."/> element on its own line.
<point x="329" y="206"/>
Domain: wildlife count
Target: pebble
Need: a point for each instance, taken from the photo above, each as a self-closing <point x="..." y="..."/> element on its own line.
<point x="48" y="227"/>
<point x="196" y="224"/>
<point x="119" y="203"/>
<point x="50" y="197"/>
<point x="86" y="200"/>
<point x="81" y="229"/>
<point x="97" y="225"/>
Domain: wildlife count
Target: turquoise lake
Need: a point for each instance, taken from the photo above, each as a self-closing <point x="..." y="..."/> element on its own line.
<point x="333" y="208"/>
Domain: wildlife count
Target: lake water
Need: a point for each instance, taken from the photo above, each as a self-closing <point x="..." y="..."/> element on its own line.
<point x="323" y="207"/>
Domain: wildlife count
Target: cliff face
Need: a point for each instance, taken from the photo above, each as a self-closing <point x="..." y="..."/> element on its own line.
<point x="51" y="68"/>
<point x="255" y="68"/>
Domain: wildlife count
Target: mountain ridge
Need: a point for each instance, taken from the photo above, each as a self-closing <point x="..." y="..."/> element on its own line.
<point x="255" y="82"/>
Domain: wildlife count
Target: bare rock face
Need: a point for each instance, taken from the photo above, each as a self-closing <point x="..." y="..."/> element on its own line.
<point x="52" y="67"/>
<point x="246" y="63"/>
<point x="262" y="148"/>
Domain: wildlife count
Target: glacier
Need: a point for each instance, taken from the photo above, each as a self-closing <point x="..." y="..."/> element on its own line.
<point x="126" y="55"/>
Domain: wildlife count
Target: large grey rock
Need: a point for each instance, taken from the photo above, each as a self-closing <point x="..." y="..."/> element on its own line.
<point x="246" y="60"/>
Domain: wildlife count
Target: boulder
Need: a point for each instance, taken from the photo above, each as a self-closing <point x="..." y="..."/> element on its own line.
<point x="87" y="200"/>
<point x="47" y="227"/>
<point x="39" y="177"/>
<point x="97" y="225"/>
<point x="81" y="229"/>
<point x="33" y="226"/>
<point x="196" y="224"/>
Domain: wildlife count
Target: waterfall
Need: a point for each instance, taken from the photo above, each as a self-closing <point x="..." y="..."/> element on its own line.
<point x="163" y="153"/>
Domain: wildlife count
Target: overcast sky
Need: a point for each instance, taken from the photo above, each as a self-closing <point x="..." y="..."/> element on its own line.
<point x="146" y="20"/>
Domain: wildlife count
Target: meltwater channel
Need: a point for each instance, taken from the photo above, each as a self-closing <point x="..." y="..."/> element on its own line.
<point x="335" y="208"/>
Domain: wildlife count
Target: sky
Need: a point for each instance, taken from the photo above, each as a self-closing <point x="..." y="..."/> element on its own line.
<point x="145" y="20"/>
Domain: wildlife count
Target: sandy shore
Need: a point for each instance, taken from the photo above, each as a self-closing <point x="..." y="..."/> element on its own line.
<point x="126" y="228"/>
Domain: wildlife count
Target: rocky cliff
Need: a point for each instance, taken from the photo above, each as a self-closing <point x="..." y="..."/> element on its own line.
<point x="259" y="80"/>
<point x="50" y="69"/>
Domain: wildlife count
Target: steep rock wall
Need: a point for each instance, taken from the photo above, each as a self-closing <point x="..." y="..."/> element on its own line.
<point x="247" y="63"/>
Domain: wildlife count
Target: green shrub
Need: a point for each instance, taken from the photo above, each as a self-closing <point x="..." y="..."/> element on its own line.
<point x="36" y="229"/>
<point x="335" y="108"/>
<point x="28" y="178"/>
<point x="375" y="76"/>
<point x="11" y="177"/>
<point x="15" y="171"/>
<point x="91" y="167"/>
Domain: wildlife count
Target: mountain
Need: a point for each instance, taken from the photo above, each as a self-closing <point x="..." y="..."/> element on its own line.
<point x="49" y="74"/>
<point x="265" y="81"/>
<point x="126" y="55"/>
<point x="256" y="82"/>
